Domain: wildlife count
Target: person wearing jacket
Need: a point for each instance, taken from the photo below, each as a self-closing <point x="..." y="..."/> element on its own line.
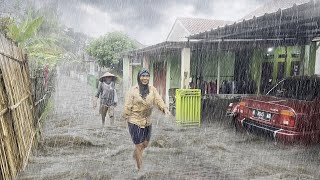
<point x="137" y="111"/>
<point x="108" y="96"/>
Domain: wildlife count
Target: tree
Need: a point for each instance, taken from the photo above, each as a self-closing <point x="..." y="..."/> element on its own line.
<point x="107" y="49"/>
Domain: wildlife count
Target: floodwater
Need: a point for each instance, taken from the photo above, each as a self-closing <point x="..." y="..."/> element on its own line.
<point x="74" y="145"/>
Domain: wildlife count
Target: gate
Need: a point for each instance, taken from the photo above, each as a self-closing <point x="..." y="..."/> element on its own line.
<point x="17" y="122"/>
<point x="188" y="106"/>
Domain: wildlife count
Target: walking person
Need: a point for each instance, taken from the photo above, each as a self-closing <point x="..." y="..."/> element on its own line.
<point x="108" y="97"/>
<point x="137" y="111"/>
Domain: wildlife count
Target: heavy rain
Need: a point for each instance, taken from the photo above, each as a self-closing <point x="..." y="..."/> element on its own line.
<point x="169" y="89"/>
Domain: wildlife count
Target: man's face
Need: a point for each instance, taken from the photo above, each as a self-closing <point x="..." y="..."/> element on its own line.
<point x="144" y="79"/>
<point x="107" y="79"/>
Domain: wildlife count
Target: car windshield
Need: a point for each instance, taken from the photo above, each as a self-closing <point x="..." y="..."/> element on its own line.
<point x="297" y="88"/>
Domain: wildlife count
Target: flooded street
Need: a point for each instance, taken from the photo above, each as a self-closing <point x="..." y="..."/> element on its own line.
<point x="256" y="60"/>
<point x="74" y="145"/>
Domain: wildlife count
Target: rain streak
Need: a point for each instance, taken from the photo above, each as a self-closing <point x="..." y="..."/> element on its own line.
<point x="170" y="89"/>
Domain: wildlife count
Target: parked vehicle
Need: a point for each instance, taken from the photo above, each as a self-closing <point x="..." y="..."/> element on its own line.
<point x="289" y="112"/>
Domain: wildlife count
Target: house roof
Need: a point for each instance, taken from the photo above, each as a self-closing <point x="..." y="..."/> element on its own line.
<point x="300" y="22"/>
<point x="167" y="45"/>
<point x="192" y="25"/>
<point x="196" y="25"/>
<point x="273" y="6"/>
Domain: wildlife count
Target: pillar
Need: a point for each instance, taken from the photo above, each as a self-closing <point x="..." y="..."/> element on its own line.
<point x="185" y="68"/>
<point x="127" y="75"/>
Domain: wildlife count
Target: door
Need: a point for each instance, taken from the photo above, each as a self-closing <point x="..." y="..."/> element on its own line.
<point x="159" y="78"/>
<point x="281" y="71"/>
<point x="242" y="74"/>
<point x="266" y="77"/>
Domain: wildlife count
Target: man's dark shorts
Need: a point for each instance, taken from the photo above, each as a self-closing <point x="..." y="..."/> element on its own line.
<point x="139" y="135"/>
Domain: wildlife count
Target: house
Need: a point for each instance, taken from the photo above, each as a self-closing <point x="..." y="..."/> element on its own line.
<point x="169" y="62"/>
<point x="268" y="47"/>
<point x="252" y="54"/>
<point x="184" y="27"/>
<point x="273" y="6"/>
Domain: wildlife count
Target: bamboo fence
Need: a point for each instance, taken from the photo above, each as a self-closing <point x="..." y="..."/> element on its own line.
<point x="17" y="117"/>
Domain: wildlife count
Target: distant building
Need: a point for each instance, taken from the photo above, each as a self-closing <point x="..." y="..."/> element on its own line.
<point x="169" y="61"/>
<point x="184" y="27"/>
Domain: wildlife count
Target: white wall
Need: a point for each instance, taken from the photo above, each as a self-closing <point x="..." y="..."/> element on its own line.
<point x="168" y="82"/>
<point x="185" y="68"/>
<point x="317" y="65"/>
<point x="178" y="33"/>
<point x="126" y="75"/>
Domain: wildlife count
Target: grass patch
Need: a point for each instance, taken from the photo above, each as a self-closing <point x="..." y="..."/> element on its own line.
<point x="47" y="110"/>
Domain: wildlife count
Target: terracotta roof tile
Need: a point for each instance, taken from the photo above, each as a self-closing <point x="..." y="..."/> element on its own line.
<point x="273" y="6"/>
<point x="196" y="25"/>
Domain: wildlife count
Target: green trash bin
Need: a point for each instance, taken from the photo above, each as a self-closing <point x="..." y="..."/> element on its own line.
<point x="188" y="107"/>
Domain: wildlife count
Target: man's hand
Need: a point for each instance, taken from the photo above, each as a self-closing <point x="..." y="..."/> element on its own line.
<point x="125" y="117"/>
<point x="167" y="113"/>
<point x="95" y="103"/>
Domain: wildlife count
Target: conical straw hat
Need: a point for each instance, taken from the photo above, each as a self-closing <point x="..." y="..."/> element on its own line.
<point x="107" y="74"/>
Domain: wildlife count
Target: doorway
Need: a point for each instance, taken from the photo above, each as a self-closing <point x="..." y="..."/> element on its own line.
<point x="266" y="77"/>
<point x="159" y="80"/>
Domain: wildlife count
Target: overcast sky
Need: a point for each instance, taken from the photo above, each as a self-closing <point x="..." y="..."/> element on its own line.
<point x="148" y="21"/>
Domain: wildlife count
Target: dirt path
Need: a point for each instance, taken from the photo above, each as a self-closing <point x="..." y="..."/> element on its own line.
<point x="76" y="146"/>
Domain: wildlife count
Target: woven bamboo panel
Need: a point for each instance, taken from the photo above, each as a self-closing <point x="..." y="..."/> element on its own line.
<point x="17" y="127"/>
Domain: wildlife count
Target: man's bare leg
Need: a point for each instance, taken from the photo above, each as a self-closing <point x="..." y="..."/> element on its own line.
<point x="145" y="144"/>
<point x="138" y="154"/>
<point x="111" y="115"/>
<point x="112" y="120"/>
<point x="103" y="117"/>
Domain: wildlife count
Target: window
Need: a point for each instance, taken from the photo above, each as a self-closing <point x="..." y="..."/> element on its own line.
<point x="268" y="56"/>
<point x="295" y="68"/>
<point x="296" y="55"/>
<point x="301" y="89"/>
<point x="282" y="56"/>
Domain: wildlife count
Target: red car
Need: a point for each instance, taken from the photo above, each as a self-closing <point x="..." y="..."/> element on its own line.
<point x="289" y="112"/>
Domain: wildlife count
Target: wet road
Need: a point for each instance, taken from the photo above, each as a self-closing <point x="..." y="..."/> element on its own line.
<point x="75" y="146"/>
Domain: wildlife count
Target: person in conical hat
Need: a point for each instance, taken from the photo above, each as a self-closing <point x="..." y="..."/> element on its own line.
<point x="106" y="75"/>
<point x="108" y="96"/>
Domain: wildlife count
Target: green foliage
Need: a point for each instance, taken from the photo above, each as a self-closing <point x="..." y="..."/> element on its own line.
<point x="44" y="48"/>
<point x="45" y="40"/>
<point x="4" y="24"/>
<point x="22" y="33"/>
<point x="107" y="48"/>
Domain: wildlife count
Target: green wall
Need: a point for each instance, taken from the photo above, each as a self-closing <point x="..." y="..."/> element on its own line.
<point x="288" y="60"/>
<point x="290" y="50"/>
<point x="227" y="60"/>
<point x="312" y="60"/>
<point x="210" y="65"/>
<point x="307" y="59"/>
<point x="175" y="71"/>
